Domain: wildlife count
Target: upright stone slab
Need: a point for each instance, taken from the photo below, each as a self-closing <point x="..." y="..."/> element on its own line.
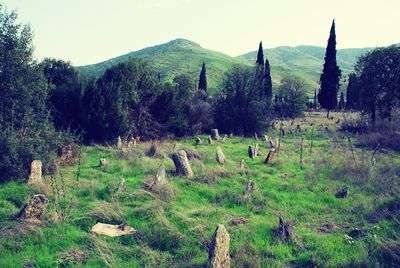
<point x="298" y="128"/>
<point x="250" y="152"/>
<point x="219" y="156"/>
<point x="210" y="141"/>
<point x="241" y="164"/>
<point x="161" y="176"/>
<point x="270" y="156"/>
<point x="255" y="136"/>
<point x="103" y="163"/>
<point x="256" y="150"/>
<point x="182" y="164"/>
<point x="218" y="253"/>
<point x="121" y="186"/>
<point x="36" y="172"/>
<point x="119" y="142"/>
<point x="214" y="134"/>
<point x="34" y="209"/>
<point x="198" y="141"/>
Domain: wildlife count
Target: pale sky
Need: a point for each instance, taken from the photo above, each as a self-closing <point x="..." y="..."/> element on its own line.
<point x="89" y="31"/>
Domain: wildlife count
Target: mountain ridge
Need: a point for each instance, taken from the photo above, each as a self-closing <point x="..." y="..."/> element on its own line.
<point x="185" y="56"/>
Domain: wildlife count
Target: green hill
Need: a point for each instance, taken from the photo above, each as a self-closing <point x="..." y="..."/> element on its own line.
<point x="172" y="58"/>
<point x="184" y="56"/>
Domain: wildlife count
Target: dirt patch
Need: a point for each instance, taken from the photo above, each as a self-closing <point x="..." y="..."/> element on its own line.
<point x="237" y="220"/>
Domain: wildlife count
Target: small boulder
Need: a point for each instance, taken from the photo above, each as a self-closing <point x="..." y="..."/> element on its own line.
<point x="34" y="209"/>
<point x="343" y="193"/>
<point x="112" y="230"/>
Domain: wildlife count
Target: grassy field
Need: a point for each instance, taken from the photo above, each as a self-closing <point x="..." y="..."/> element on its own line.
<point x="175" y="223"/>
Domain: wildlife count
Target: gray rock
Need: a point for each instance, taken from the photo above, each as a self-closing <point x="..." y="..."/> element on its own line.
<point x="214" y="134"/>
<point x="219" y="156"/>
<point x="182" y="164"/>
<point x="36" y="172"/>
<point x="218" y="253"/>
<point x="34" y="209"/>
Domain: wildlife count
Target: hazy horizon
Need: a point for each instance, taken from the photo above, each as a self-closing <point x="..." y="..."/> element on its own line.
<point x="93" y="31"/>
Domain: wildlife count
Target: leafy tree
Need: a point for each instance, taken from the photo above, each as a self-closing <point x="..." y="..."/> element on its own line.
<point x="341" y="102"/>
<point x="65" y="93"/>
<point x="352" y="95"/>
<point x="293" y="97"/>
<point x="203" y="78"/>
<point x="378" y="80"/>
<point x="237" y="110"/>
<point x="26" y="133"/>
<point x="330" y="77"/>
<point x="119" y="103"/>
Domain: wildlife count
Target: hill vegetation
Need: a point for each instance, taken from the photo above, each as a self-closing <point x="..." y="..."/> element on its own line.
<point x="184" y="56"/>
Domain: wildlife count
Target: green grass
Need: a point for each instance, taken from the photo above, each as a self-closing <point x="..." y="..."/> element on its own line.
<point x="174" y="226"/>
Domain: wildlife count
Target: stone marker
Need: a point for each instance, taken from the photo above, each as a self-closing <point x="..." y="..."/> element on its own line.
<point x="218" y="253"/>
<point x="34" y="209"/>
<point x="342" y="193"/>
<point x="266" y="138"/>
<point x="161" y="176"/>
<point x="255" y="136"/>
<point x="224" y="138"/>
<point x="241" y="164"/>
<point x="155" y="151"/>
<point x="282" y="132"/>
<point x="250" y="152"/>
<point x="198" y="141"/>
<point x="256" y="150"/>
<point x="119" y="142"/>
<point x="298" y="128"/>
<point x="270" y="156"/>
<point x="285" y="230"/>
<point x="112" y="230"/>
<point x="251" y="187"/>
<point x="36" y="172"/>
<point x="121" y="186"/>
<point x="219" y="156"/>
<point x="182" y="165"/>
<point x="214" y="134"/>
<point x="210" y="141"/>
<point x="103" y="162"/>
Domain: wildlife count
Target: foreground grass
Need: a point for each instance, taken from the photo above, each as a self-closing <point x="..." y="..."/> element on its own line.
<point x="175" y="224"/>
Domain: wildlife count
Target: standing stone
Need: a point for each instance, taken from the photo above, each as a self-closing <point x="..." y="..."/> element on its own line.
<point x="343" y="193"/>
<point x="219" y="156"/>
<point x="155" y="150"/>
<point x="266" y="138"/>
<point x="255" y="136"/>
<point x="121" y="186"/>
<point x="210" y="141"/>
<point x="251" y="187"/>
<point x="298" y="128"/>
<point x="250" y="152"/>
<point x="132" y="142"/>
<point x="256" y="150"/>
<point x="282" y="133"/>
<point x="241" y="164"/>
<point x="270" y="156"/>
<point x="36" y="172"/>
<point x="271" y="143"/>
<point x="198" y="141"/>
<point x="103" y="162"/>
<point x="285" y="230"/>
<point x="218" y="253"/>
<point x="119" y="142"/>
<point x="182" y="165"/>
<point x="34" y="209"/>
<point x="161" y="176"/>
<point x="214" y="134"/>
<point x="224" y="138"/>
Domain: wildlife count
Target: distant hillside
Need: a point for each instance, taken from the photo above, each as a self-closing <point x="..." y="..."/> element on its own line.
<point x="184" y="56"/>
<point x="307" y="59"/>
<point x="173" y="58"/>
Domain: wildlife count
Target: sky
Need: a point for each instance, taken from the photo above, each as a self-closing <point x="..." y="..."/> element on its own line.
<point x="90" y="31"/>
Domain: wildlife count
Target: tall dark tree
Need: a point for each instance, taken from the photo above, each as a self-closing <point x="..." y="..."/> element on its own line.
<point x="341" y="101"/>
<point x="352" y="95"/>
<point x="330" y="77"/>
<point x="260" y="55"/>
<point x="315" y="102"/>
<point x="203" y="78"/>
<point x="267" y="81"/>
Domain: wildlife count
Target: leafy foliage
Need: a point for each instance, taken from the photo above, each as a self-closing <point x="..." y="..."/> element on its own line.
<point x="292" y="101"/>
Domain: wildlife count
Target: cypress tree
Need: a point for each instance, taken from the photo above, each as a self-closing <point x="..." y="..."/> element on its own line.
<point x="267" y="81"/>
<point x="330" y="76"/>
<point x="315" y="104"/>
<point x="203" y="78"/>
<point x="352" y="92"/>
<point x="341" y="102"/>
<point x="260" y="55"/>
